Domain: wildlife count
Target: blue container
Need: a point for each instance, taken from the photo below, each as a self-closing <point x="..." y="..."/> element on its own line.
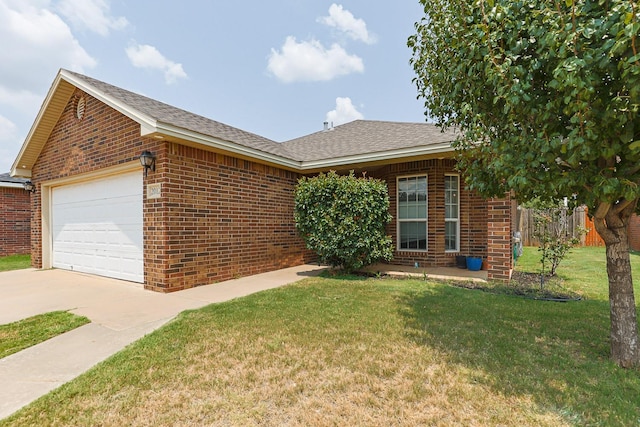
<point x="474" y="263"/>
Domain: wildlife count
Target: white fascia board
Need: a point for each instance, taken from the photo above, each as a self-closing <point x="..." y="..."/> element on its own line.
<point x="169" y="130"/>
<point x="220" y="144"/>
<point x="143" y="119"/>
<point x="19" y="172"/>
<point x="11" y="185"/>
<point x="441" y="148"/>
<point x="15" y="169"/>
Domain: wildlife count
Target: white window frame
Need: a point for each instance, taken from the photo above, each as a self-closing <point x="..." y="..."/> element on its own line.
<point x="399" y="221"/>
<point x="454" y="220"/>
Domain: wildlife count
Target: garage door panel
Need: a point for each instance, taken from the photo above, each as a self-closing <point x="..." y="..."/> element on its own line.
<point x="97" y="227"/>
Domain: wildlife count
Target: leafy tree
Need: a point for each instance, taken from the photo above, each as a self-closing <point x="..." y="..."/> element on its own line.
<point x="343" y="219"/>
<point x="546" y="96"/>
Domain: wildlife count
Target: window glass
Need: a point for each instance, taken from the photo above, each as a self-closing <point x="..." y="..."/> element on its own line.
<point x="451" y="212"/>
<point x="412" y="213"/>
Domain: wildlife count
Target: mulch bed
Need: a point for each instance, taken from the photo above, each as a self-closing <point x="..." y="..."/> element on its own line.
<point x="527" y="285"/>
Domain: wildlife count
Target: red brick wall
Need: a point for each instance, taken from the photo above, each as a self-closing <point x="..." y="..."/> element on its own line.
<point x="15" y="219"/>
<point x="473" y="214"/>
<point x="219" y="217"/>
<point x="102" y="138"/>
<point x="634" y="232"/>
<point x="499" y="239"/>
<point x="205" y="227"/>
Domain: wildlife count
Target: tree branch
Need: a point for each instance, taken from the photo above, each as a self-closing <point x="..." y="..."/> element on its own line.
<point x="622" y="205"/>
<point x="602" y="210"/>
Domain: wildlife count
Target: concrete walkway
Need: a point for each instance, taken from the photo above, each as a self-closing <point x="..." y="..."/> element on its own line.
<point x="120" y="313"/>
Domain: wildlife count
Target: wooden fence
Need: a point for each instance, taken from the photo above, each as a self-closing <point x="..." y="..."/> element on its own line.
<point x="571" y="222"/>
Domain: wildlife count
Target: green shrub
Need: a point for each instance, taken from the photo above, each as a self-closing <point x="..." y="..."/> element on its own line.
<point x="343" y="219"/>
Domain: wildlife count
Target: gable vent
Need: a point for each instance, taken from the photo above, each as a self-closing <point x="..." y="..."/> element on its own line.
<point x="80" y="108"/>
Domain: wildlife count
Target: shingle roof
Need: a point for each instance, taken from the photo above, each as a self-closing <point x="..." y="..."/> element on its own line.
<point x="364" y="137"/>
<point x="6" y="177"/>
<point x="177" y="117"/>
<point x="358" y="142"/>
<point x="351" y="139"/>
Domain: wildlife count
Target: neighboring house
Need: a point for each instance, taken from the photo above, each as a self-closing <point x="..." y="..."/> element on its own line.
<point x="218" y="202"/>
<point x="15" y="216"/>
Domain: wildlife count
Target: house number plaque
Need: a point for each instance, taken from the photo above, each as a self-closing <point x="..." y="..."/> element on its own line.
<point x="154" y="191"/>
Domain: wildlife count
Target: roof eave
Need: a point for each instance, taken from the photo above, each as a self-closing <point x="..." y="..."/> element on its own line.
<point x="29" y="152"/>
<point x="54" y="103"/>
<point x="164" y="130"/>
<point x="11" y="185"/>
<point x="404" y="154"/>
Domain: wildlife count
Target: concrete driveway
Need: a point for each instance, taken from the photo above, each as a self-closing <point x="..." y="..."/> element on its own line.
<point x="120" y="313"/>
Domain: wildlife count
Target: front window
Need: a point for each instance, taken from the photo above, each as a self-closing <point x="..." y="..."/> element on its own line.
<point x="412" y="213"/>
<point x="452" y="213"/>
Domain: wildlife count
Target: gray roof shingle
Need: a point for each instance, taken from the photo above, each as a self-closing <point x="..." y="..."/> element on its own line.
<point x="359" y="137"/>
<point x="177" y="117"/>
<point x="6" y="177"/>
<point x="364" y="137"/>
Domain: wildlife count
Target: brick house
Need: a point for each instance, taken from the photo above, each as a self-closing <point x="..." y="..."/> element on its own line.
<point x="218" y="201"/>
<point x="15" y="216"/>
<point x="634" y="232"/>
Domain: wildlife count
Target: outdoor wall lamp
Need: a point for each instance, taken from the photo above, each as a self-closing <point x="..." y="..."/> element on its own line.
<point x="148" y="161"/>
<point x="29" y="186"/>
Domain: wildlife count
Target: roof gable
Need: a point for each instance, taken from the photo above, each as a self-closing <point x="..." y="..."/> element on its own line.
<point x="156" y="116"/>
<point x="361" y="141"/>
<point x="49" y="114"/>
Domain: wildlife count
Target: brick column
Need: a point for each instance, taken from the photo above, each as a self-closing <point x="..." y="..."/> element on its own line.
<point x="499" y="243"/>
<point x="15" y="223"/>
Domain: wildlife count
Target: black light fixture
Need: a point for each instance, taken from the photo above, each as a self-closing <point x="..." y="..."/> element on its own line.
<point x="148" y="161"/>
<point x="29" y="186"/>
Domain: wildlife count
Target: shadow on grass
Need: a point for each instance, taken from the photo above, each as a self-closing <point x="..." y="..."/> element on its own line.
<point x="556" y="353"/>
<point x="335" y="274"/>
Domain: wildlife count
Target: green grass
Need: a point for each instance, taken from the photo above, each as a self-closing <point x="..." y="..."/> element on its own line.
<point x="25" y="333"/>
<point x="15" y="262"/>
<point x="356" y="351"/>
<point x="584" y="270"/>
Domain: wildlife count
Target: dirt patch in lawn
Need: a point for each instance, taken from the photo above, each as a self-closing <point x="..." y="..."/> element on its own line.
<point x="528" y="285"/>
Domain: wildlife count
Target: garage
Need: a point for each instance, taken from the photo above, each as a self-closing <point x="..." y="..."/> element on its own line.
<point x="96" y="227"/>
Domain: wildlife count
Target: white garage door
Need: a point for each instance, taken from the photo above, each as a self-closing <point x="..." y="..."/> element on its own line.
<point x="97" y="227"/>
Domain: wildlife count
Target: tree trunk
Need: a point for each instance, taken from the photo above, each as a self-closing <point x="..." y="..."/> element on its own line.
<point x="625" y="350"/>
<point x="624" y="324"/>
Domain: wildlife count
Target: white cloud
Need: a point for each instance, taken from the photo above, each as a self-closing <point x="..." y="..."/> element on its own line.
<point x="7" y="157"/>
<point x="9" y="143"/>
<point x="36" y="42"/>
<point x="7" y="129"/>
<point x="145" y="56"/>
<point x="344" y="21"/>
<point x="22" y="101"/>
<point x="40" y="43"/>
<point x="311" y="61"/>
<point x="345" y="112"/>
<point x="92" y="15"/>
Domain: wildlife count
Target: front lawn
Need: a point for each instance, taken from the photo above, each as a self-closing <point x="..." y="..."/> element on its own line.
<point x="15" y="262"/>
<point x="356" y="351"/>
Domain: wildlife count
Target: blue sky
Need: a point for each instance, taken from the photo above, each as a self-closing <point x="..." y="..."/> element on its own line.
<point x="277" y="68"/>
